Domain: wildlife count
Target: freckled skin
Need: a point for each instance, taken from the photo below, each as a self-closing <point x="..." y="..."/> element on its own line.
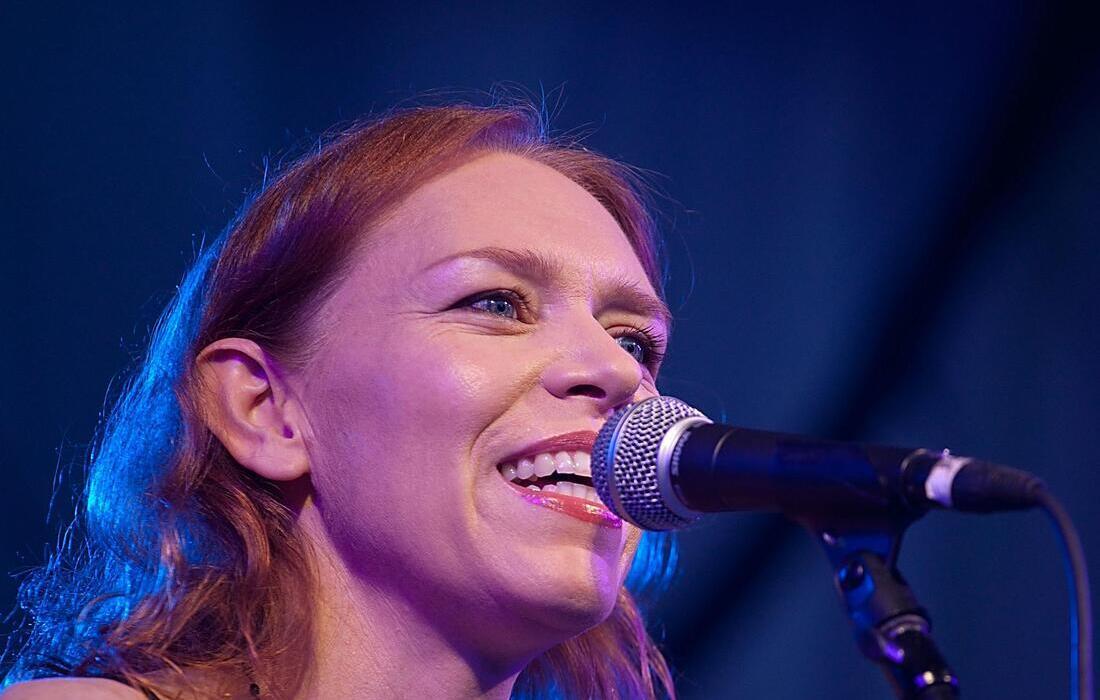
<point x="411" y="404"/>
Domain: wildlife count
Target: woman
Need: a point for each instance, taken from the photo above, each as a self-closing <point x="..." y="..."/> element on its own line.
<point x="354" y="462"/>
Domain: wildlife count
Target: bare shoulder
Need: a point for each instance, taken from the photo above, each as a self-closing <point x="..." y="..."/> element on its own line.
<point x="59" y="688"/>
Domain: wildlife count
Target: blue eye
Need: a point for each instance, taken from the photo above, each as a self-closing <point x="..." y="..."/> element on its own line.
<point x="643" y="345"/>
<point x="637" y="349"/>
<point x="496" y="304"/>
<point x="640" y="343"/>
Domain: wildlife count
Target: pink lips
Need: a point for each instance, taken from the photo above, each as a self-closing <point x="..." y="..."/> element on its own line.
<point x="572" y="506"/>
<point x="578" y="441"/>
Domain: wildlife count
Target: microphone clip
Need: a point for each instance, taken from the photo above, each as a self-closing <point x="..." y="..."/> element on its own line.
<point x="891" y="628"/>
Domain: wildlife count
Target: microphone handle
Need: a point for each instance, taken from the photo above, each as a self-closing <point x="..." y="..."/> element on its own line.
<point x="830" y="484"/>
<point x="719" y="468"/>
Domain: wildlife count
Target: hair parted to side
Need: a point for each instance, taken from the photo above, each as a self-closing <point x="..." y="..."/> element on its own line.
<point x="186" y="563"/>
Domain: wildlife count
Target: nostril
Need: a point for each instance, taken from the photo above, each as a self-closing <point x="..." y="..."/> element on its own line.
<point x="590" y="390"/>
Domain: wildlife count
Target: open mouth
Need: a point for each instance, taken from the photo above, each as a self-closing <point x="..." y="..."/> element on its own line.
<point x="565" y="473"/>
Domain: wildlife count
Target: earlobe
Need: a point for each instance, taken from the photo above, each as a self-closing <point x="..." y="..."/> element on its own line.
<point x="245" y="403"/>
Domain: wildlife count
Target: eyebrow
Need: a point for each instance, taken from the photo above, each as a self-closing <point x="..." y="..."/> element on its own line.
<point x="619" y="291"/>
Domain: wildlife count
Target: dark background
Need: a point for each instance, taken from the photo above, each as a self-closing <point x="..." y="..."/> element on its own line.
<point x="883" y="225"/>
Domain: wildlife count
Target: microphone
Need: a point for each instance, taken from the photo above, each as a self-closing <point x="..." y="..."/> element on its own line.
<point x="660" y="464"/>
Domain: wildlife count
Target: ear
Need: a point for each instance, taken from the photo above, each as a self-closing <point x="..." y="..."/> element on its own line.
<point x="245" y="403"/>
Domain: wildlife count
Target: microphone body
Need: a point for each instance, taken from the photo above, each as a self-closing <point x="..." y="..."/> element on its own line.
<point x="720" y="468"/>
<point x="660" y="463"/>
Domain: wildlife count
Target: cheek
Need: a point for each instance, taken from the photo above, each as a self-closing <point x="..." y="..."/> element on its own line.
<point x="383" y="418"/>
<point x="443" y="399"/>
<point x="405" y="384"/>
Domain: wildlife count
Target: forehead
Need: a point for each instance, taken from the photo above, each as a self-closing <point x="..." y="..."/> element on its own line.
<point x="502" y="200"/>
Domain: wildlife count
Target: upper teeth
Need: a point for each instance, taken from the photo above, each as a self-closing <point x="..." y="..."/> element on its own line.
<point x="547" y="463"/>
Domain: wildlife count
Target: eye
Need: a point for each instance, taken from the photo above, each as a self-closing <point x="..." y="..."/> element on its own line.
<point x="637" y="349"/>
<point x="503" y="303"/>
<point x="497" y="305"/>
<point x="643" y="345"/>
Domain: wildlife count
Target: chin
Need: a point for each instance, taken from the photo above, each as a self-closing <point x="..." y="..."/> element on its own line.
<point x="581" y="616"/>
<point x="570" y="605"/>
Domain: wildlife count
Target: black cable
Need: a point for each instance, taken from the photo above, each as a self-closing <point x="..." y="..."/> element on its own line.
<point x="1080" y="603"/>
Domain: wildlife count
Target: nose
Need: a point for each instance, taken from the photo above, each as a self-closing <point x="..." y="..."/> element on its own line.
<point x="592" y="366"/>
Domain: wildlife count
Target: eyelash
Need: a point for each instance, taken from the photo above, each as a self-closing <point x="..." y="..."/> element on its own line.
<point x="646" y="336"/>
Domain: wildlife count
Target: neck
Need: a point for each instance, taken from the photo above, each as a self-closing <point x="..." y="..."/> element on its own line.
<point x="374" y="640"/>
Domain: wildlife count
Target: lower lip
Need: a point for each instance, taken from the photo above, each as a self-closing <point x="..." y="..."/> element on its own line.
<point x="572" y="506"/>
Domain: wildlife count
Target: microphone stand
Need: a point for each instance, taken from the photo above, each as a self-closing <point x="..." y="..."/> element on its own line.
<point x="891" y="628"/>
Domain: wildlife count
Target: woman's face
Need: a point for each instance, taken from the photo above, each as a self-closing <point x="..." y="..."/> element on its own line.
<point x="500" y="306"/>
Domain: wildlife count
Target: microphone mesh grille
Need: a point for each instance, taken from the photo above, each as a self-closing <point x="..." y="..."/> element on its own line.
<point x="624" y="461"/>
